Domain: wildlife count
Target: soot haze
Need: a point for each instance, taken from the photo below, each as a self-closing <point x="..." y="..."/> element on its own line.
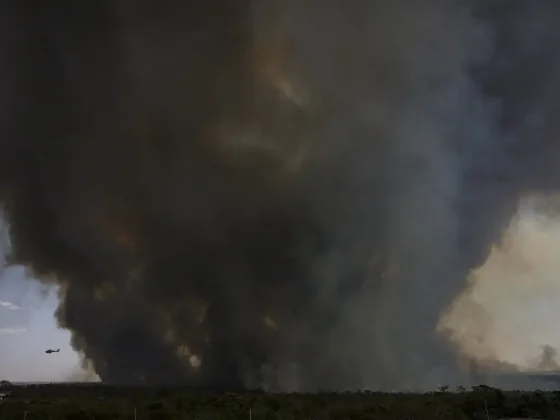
<point x="236" y="193"/>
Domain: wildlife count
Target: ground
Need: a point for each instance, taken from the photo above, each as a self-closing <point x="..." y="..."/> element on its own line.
<point x="83" y="402"/>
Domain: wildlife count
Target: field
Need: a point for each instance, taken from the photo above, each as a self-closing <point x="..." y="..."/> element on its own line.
<point x="84" y="402"/>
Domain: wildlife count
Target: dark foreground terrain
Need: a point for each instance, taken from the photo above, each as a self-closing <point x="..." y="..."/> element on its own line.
<point x="102" y="402"/>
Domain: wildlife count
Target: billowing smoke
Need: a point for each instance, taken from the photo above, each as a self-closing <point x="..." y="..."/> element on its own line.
<point x="236" y="193"/>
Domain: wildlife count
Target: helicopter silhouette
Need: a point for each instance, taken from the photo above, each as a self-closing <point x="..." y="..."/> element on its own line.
<point x="49" y="351"/>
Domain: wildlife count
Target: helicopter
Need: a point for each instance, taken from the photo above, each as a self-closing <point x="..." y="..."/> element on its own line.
<point x="49" y="351"/>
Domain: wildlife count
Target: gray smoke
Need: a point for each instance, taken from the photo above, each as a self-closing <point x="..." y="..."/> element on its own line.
<point x="236" y="193"/>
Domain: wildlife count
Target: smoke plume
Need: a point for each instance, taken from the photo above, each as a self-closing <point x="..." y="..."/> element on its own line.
<point x="234" y="193"/>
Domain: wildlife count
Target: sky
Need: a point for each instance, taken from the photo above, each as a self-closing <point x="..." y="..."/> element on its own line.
<point x="508" y="311"/>
<point x="28" y="328"/>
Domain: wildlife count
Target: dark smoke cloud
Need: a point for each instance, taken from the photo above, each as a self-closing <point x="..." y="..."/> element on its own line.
<point x="291" y="194"/>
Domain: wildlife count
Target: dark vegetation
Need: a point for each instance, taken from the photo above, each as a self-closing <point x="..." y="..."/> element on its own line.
<point x="104" y="402"/>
